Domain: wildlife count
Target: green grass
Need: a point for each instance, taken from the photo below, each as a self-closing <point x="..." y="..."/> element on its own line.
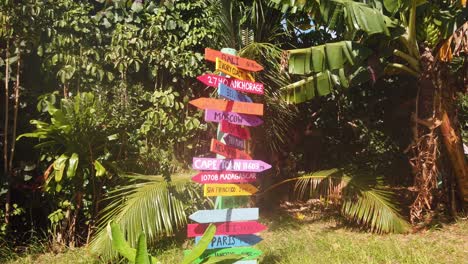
<point x="291" y="241"/>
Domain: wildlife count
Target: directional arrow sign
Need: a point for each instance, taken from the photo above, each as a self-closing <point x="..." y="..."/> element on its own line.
<point x="225" y="215"/>
<point x="227" y="151"/>
<point x="229" y="165"/>
<point x="231" y="70"/>
<point x="232" y="241"/>
<point x="229" y="106"/>
<point x="230" y="94"/>
<point x="252" y="261"/>
<point x="243" y="63"/>
<point x="227" y="228"/>
<point x="224" y="177"/>
<point x="242" y="189"/>
<point x="234" y="141"/>
<point x="236" y="84"/>
<point x="234" y="130"/>
<point x="233" y="118"/>
<point x="251" y="253"/>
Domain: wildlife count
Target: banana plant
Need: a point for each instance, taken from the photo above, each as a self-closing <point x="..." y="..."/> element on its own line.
<point x="140" y="254"/>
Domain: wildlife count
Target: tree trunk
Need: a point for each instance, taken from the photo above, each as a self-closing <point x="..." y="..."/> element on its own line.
<point x="5" y="134"/>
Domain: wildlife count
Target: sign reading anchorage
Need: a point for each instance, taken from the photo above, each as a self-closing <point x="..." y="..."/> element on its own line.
<point x="233" y="171"/>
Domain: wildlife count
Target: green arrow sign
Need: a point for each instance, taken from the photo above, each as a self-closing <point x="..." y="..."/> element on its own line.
<point x="249" y="252"/>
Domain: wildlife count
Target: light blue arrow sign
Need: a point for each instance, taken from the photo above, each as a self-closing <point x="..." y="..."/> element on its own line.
<point x="231" y="94"/>
<point x="225" y="215"/>
<point x="252" y="261"/>
<point x="232" y="241"/>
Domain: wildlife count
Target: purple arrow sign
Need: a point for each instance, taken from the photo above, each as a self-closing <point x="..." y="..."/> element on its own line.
<point x="233" y="118"/>
<point x="230" y="165"/>
<point x="230" y="94"/>
<point x="234" y="141"/>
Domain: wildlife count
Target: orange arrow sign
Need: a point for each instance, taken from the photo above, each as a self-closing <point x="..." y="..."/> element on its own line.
<point x="231" y="70"/>
<point x="228" y="106"/>
<point x="228" y="151"/>
<point x="243" y="63"/>
<point x="243" y="189"/>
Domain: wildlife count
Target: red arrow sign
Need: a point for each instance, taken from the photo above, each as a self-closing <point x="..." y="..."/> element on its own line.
<point x="227" y="151"/>
<point x="236" y="84"/>
<point x="234" y="130"/>
<point x="224" y="177"/>
<point x="229" y="106"/>
<point x="227" y="228"/>
<point x="243" y="63"/>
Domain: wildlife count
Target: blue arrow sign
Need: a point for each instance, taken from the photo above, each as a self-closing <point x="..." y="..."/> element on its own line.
<point x="232" y="241"/>
<point x="231" y="94"/>
<point x="225" y="215"/>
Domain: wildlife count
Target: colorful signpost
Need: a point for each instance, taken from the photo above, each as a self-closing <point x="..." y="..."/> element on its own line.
<point x="227" y="151"/>
<point x="232" y="241"/>
<point x="214" y="80"/>
<point x="230" y="106"/>
<point x="230" y="174"/>
<point x="225" y="215"/>
<point x="227" y="228"/>
<point x="224" y="177"/>
<point x="243" y="63"/>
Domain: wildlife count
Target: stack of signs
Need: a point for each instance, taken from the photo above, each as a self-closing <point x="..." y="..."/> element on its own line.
<point x="233" y="171"/>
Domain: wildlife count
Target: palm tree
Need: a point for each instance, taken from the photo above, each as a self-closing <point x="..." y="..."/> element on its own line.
<point x="381" y="38"/>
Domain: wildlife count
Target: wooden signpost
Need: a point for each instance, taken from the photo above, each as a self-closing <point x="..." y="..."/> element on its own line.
<point x="243" y="63"/>
<point x="231" y="70"/>
<point x="214" y="80"/>
<point x="227" y="151"/>
<point x="225" y="215"/>
<point x="230" y="165"/>
<point x="229" y="175"/>
<point x="232" y="241"/>
<point x="229" y="106"/>
<point x="233" y="118"/>
<point x="234" y="130"/>
<point x="224" y="177"/>
<point x="227" y="228"/>
<point x="227" y="93"/>
<point x="229" y="189"/>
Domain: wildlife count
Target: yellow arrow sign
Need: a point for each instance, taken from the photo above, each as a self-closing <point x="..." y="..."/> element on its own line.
<point x="229" y="189"/>
<point x="231" y="70"/>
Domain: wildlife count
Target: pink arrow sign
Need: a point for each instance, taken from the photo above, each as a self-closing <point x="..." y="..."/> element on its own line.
<point x="234" y="130"/>
<point x="229" y="165"/>
<point x="233" y="118"/>
<point x="227" y="228"/>
<point x="236" y="84"/>
<point x="224" y="177"/>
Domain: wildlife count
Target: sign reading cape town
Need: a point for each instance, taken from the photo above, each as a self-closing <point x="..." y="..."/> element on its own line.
<point x="236" y="84"/>
<point x="229" y="164"/>
<point x="233" y="118"/>
<point x="224" y="177"/>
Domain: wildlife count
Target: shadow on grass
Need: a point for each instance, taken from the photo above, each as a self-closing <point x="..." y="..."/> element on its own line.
<point x="284" y="221"/>
<point x="271" y="258"/>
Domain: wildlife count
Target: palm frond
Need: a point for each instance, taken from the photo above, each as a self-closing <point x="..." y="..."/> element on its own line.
<point x="150" y="205"/>
<point x="362" y="197"/>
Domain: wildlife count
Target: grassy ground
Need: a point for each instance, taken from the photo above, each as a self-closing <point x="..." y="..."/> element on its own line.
<point x="291" y="241"/>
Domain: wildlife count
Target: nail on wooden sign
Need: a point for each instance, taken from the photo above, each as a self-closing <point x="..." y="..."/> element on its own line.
<point x="214" y="80"/>
<point x="243" y="63"/>
<point x="224" y="177"/>
<point x="231" y="70"/>
<point x="228" y="106"/>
